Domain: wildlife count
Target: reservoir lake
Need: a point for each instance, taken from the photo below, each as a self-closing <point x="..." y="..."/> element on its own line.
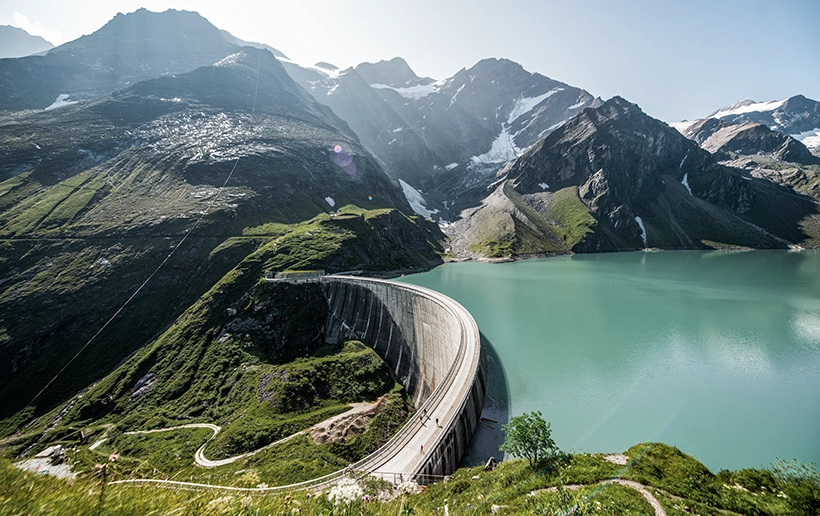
<point x="714" y="352"/>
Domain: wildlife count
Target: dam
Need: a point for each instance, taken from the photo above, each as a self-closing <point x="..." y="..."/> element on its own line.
<point x="432" y="345"/>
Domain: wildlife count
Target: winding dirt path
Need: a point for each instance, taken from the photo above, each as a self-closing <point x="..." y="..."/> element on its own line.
<point x="650" y="498"/>
<point x="659" y="510"/>
<point x="201" y="460"/>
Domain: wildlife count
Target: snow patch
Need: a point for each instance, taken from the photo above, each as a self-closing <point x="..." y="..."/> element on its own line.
<point x="62" y="100"/>
<point x="398" y="130"/>
<point x="809" y="138"/>
<point x="411" y="92"/>
<point x="526" y="104"/>
<point x="750" y="108"/>
<point x="331" y="90"/>
<point x="543" y="186"/>
<point x="453" y="100"/>
<point x="685" y="182"/>
<point x="451" y="166"/>
<point x="416" y="200"/>
<point x="576" y="106"/>
<point x="330" y="201"/>
<point x="683" y="125"/>
<point x="643" y="230"/>
<point x="503" y="149"/>
<point x="683" y="161"/>
<point x="229" y="60"/>
<point x="391" y="142"/>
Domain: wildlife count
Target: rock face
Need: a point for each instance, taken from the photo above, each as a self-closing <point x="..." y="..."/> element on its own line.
<point x="15" y="42"/>
<point x="444" y="138"/>
<point x="613" y="178"/>
<point x="796" y="116"/>
<point x="749" y="138"/>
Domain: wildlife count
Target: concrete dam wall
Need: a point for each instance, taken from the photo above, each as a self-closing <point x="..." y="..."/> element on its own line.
<point x="432" y="345"/>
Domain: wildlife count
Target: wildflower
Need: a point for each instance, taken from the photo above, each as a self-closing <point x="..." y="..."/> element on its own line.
<point x="113" y="457"/>
<point x="345" y="492"/>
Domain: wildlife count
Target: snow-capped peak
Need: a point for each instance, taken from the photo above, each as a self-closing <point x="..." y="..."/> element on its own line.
<point x="747" y="106"/>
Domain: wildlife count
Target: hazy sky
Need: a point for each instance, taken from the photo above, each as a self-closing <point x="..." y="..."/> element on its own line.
<point x="675" y="58"/>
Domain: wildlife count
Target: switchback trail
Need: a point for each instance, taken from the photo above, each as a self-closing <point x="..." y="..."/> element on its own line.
<point x="201" y="460"/>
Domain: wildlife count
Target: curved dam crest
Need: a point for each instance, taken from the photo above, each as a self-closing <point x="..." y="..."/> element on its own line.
<point x="432" y="345"/>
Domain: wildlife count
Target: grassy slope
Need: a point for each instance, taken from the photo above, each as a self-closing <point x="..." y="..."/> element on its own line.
<point x="509" y="226"/>
<point x="233" y="359"/>
<point x="681" y="484"/>
<point x="375" y="240"/>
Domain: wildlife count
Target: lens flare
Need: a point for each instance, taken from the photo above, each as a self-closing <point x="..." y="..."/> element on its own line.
<point x="343" y="158"/>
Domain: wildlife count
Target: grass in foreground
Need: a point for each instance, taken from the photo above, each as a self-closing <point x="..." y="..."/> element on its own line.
<point x="679" y="482"/>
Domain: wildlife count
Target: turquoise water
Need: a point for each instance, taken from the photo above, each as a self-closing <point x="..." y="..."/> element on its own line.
<point x="717" y="353"/>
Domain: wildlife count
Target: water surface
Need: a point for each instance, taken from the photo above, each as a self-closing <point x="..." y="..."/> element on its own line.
<point x="717" y="353"/>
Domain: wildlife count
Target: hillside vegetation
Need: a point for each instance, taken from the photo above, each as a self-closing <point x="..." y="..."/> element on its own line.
<point x="579" y="483"/>
<point x="250" y="355"/>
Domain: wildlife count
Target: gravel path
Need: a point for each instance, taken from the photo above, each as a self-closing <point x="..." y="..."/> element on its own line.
<point x="656" y="505"/>
<point x="659" y="510"/>
<point x="201" y="460"/>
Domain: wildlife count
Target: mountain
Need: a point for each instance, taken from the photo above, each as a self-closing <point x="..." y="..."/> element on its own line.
<point x="748" y="138"/>
<point x="797" y="116"/>
<point x="128" y="49"/>
<point x="165" y="180"/>
<point x="613" y="178"/>
<point x="445" y="138"/>
<point x="755" y="137"/>
<point x="15" y="42"/>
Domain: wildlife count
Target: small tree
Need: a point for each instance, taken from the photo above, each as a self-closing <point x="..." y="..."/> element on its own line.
<point x="528" y="435"/>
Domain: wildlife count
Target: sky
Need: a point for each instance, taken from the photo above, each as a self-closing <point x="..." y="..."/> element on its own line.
<point x="677" y="59"/>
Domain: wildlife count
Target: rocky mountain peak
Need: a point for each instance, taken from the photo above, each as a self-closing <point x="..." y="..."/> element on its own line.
<point x="128" y="49"/>
<point x="495" y="65"/>
<point x="15" y="42"/>
<point x="796" y="116"/>
<point x="153" y="32"/>
<point x="751" y="138"/>
<point x="395" y="73"/>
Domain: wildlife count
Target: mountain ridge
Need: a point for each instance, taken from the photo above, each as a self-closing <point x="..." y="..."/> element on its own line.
<point x="444" y="138"/>
<point x="613" y="178"/>
<point x="16" y="42"/>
